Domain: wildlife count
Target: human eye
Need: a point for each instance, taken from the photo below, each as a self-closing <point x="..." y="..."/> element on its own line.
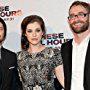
<point x="29" y="30"/>
<point x="1" y="28"/>
<point x="71" y="16"/>
<point x="81" y="14"/>
<point x="38" y="30"/>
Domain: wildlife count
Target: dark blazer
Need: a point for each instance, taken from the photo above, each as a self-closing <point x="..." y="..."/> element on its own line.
<point x="66" y="52"/>
<point x="9" y="78"/>
<point x="57" y="85"/>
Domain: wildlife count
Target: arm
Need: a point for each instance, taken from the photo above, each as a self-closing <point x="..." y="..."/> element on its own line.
<point x="18" y="82"/>
<point x="60" y="74"/>
<point x="16" y="77"/>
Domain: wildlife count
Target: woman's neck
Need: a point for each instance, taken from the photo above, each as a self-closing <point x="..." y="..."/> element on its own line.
<point x="36" y="48"/>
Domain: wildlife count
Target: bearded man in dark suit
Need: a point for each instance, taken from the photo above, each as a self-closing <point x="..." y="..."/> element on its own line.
<point x="76" y="52"/>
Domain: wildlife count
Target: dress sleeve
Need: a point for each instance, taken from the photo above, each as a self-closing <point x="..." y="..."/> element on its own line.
<point x="56" y="58"/>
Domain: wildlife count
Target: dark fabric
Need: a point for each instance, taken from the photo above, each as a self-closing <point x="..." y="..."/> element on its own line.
<point x="0" y="73"/>
<point x="9" y="78"/>
<point x="87" y="69"/>
<point x="57" y="84"/>
<point x="66" y="52"/>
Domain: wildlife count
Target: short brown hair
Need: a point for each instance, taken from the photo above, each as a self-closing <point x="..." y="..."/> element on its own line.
<point x="5" y="28"/>
<point x="81" y="3"/>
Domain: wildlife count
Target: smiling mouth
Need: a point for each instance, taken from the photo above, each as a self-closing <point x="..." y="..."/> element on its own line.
<point x="77" y="24"/>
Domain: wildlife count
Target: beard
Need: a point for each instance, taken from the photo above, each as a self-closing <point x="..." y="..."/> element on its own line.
<point x="81" y="29"/>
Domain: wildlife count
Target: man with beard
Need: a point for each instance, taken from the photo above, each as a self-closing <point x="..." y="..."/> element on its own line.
<point x="76" y="52"/>
<point x="9" y="79"/>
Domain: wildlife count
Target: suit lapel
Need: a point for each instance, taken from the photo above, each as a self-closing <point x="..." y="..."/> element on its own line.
<point x="87" y="59"/>
<point x="67" y="58"/>
<point x="87" y="68"/>
<point x="3" y="57"/>
<point x="69" y="63"/>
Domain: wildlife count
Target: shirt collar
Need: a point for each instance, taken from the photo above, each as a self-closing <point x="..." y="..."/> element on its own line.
<point x="85" y="40"/>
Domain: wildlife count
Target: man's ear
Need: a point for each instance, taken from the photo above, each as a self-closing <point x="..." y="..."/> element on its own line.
<point x="68" y="20"/>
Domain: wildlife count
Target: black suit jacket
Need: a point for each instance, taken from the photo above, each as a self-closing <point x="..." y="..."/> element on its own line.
<point x="66" y="51"/>
<point x="9" y="78"/>
<point x="57" y="85"/>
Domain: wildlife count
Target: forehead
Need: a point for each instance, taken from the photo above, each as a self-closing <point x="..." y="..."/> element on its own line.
<point x="33" y="25"/>
<point x="76" y="9"/>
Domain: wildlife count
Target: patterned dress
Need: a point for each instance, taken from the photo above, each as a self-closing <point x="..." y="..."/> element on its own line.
<point x="37" y="69"/>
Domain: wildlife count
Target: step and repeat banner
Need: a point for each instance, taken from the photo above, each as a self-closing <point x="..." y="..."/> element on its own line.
<point x="53" y="12"/>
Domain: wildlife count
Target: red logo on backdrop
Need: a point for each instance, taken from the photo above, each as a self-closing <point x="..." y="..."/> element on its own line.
<point x="9" y="15"/>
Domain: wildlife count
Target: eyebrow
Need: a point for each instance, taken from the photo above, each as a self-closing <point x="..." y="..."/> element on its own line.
<point x="80" y="12"/>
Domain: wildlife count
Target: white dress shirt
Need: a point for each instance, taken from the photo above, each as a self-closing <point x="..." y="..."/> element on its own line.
<point x="78" y="62"/>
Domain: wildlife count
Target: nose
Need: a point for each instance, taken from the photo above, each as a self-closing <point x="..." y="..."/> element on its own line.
<point x="76" y="18"/>
<point x="34" y="34"/>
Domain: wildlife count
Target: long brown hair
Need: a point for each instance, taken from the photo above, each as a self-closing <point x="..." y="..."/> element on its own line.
<point x="25" y="22"/>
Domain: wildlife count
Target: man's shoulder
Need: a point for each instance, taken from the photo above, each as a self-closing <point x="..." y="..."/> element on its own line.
<point x="68" y="42"/>
<point x="8" y="51"/>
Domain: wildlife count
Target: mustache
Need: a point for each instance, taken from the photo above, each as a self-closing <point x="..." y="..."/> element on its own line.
<point x="77" y="22"/>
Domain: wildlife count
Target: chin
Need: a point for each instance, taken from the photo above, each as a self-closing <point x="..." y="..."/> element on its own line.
<point x="35" y="43"/>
